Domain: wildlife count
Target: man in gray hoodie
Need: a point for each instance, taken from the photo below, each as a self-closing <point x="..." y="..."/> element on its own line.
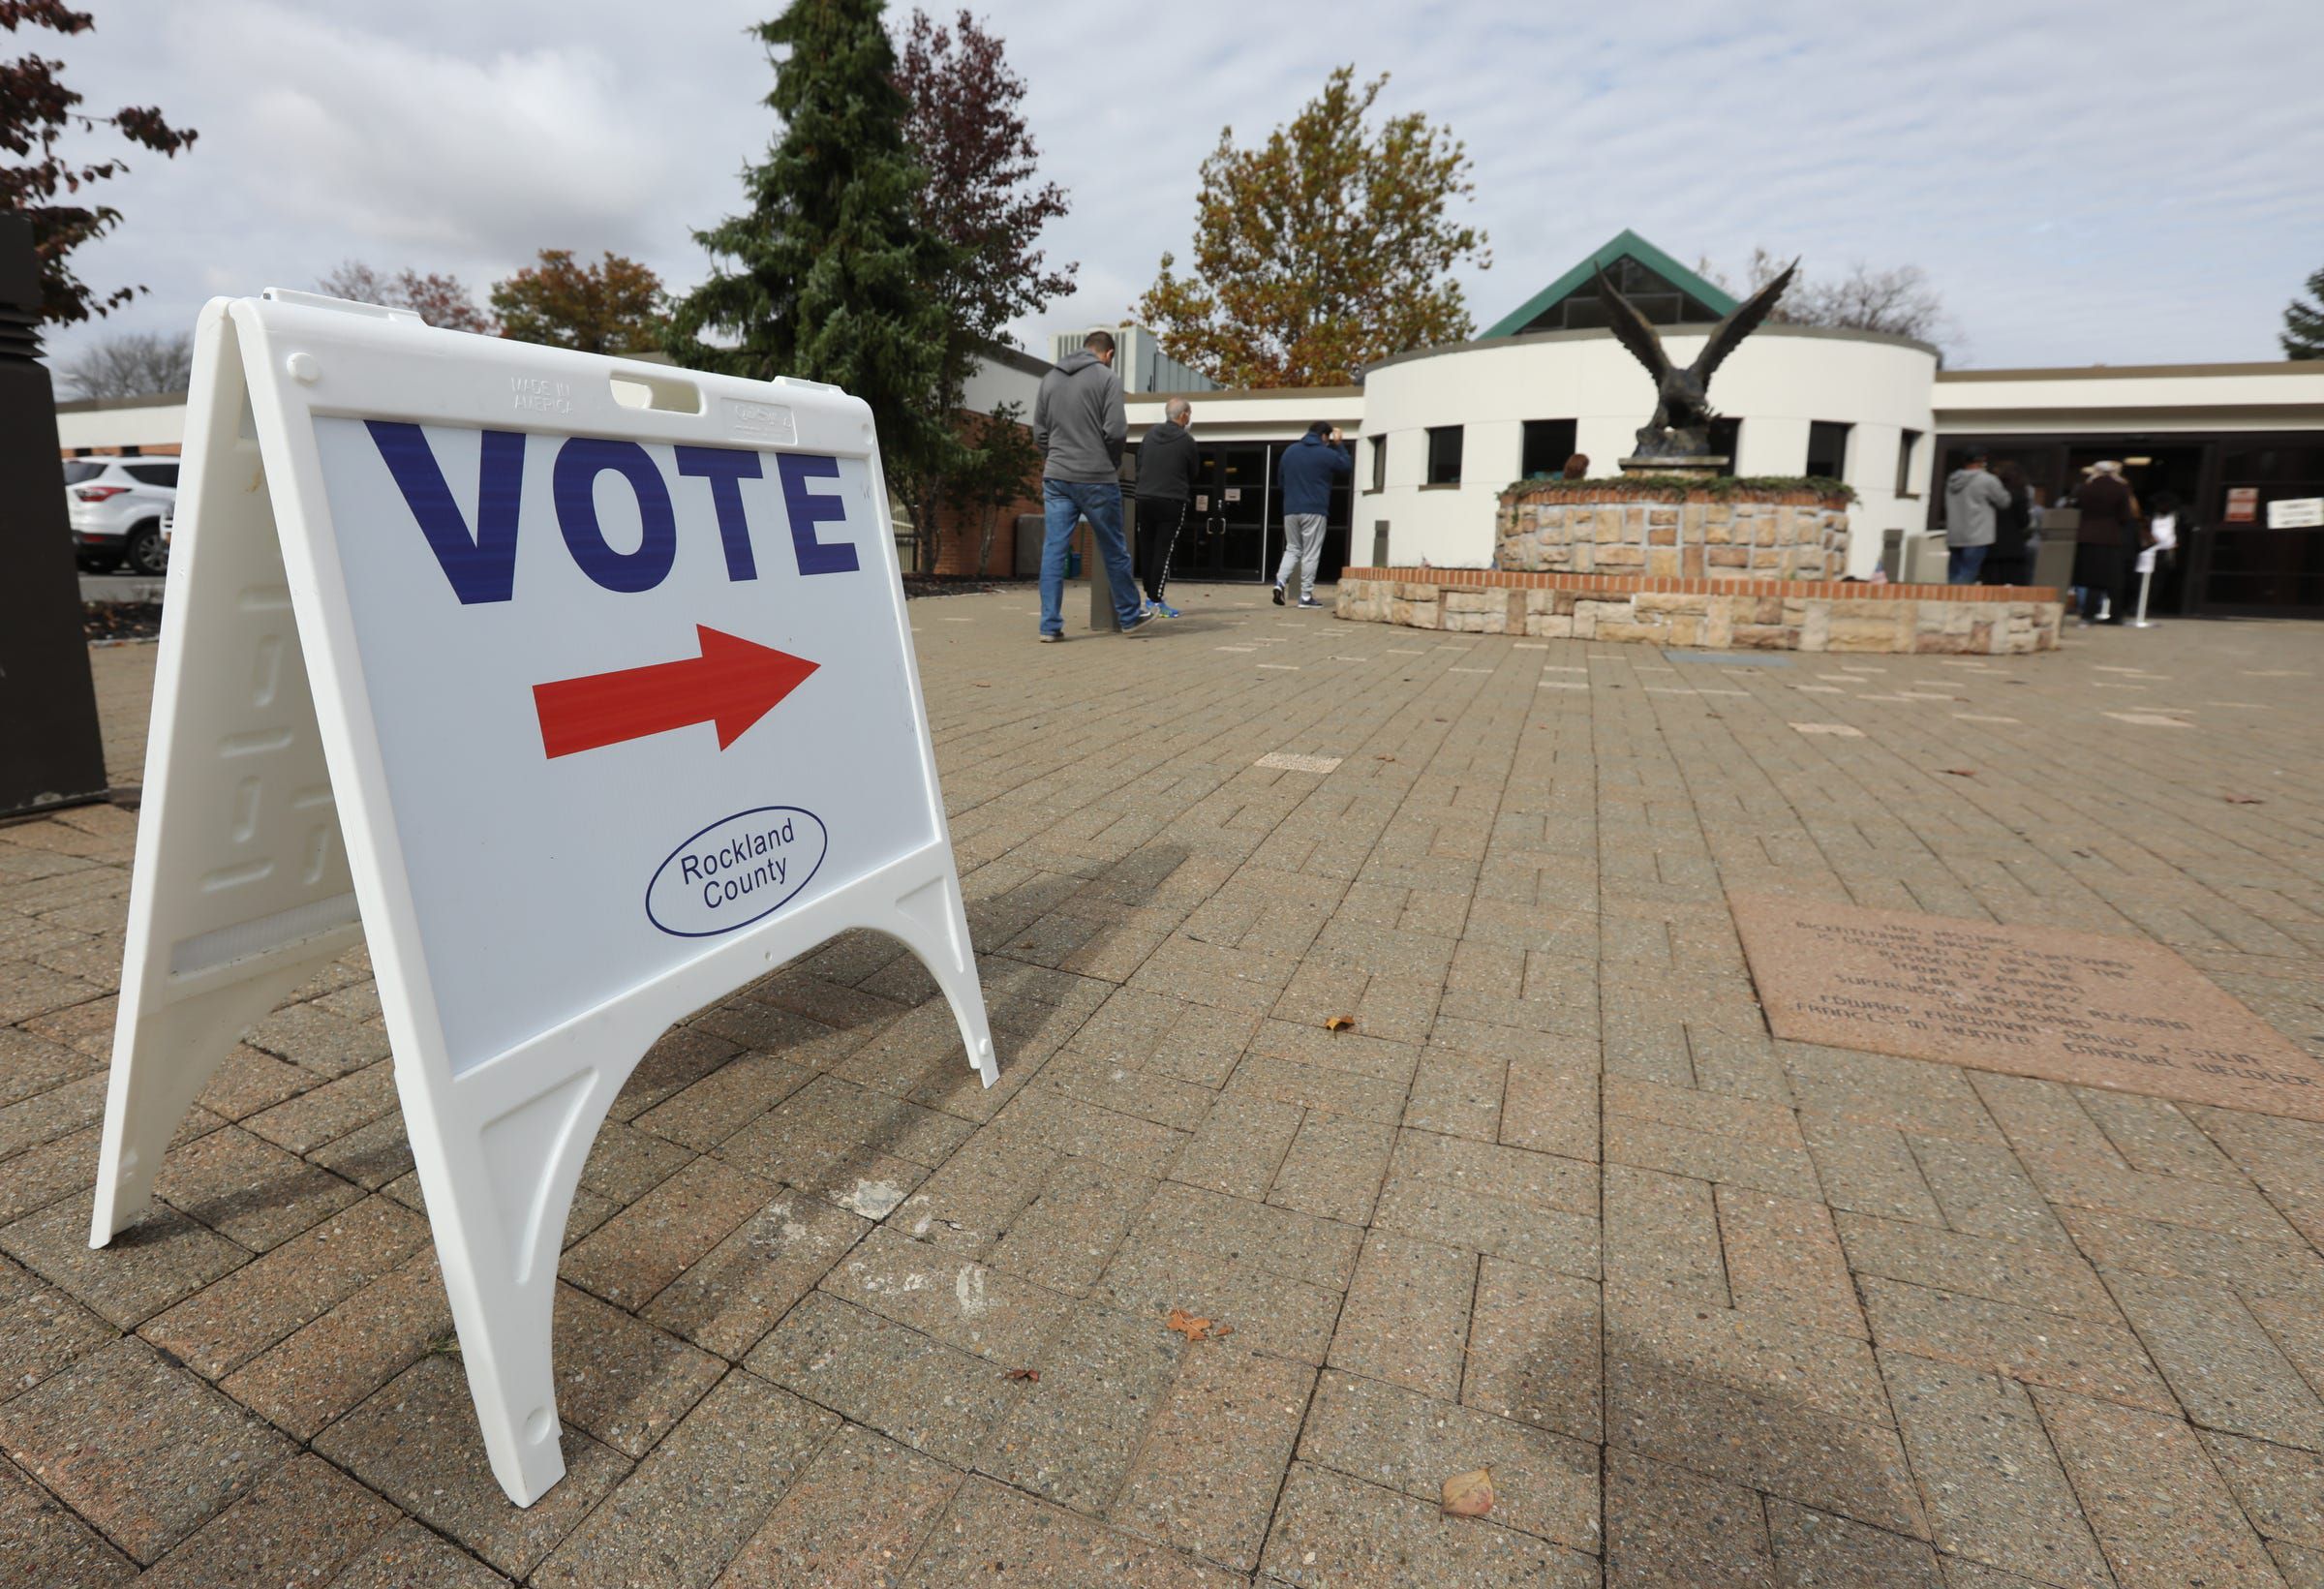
<point x="1079" y="427"/>
<point x="1973" y="501"/>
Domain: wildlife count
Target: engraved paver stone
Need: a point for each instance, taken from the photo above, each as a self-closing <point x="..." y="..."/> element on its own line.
<point x="2077" y="1007"/>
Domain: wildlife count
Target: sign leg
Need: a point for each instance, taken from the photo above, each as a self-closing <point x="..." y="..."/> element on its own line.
<point x="161" y="1061"/>
<point x="931" y="922"/>
<point x="498" y="1195"/>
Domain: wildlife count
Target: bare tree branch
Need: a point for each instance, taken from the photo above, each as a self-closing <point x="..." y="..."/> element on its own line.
<point x="132" y="364"/>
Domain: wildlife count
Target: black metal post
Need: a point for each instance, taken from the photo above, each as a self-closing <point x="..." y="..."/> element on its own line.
<point x="50" y="752"/>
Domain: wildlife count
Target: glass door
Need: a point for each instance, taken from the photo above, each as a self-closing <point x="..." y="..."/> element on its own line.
<point x="1227" y="520"/>
<point x="2256" y="567"/>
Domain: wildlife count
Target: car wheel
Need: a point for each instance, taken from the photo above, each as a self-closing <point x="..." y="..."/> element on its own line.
<point x="145" y="552"/>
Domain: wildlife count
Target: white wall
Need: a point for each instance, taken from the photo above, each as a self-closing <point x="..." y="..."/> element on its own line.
<point x="1279" y="415"/>
<point x="2228" y="397"/>
<point x="141" y="425"/>
<point x="1776" y="384"/>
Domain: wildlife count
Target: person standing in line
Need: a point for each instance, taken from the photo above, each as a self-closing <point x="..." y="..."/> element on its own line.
<point x="1309" y="466"/>
<point x="1080" y="426"/>
<point x="2159" y="558"/>
<point x="1166" y="466"/>
<point x="2108" y="513"/>
<point x="2010" y="561"/>
<point x="1973" y="502"/>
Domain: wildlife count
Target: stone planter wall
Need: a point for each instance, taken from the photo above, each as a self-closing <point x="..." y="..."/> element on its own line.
<point x="1713" y="615"/>
<point x="1551" y="526"/>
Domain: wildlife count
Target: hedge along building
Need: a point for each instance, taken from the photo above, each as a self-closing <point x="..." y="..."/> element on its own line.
<point x="1442" y="431"/>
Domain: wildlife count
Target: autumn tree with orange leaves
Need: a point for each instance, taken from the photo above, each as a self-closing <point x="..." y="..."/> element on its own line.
<point x="1325" y="249"/>
<point x="615" y="306"/>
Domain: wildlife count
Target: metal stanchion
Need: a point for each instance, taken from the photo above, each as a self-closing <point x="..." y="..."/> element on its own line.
<point x="2146" y="580"/>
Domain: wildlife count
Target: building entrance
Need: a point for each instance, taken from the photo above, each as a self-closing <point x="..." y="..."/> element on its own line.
<point x="2249" y="568"/>
<point x="2164" y="480"/>
<point x="2230" y="563"/>
<point x="1226" y="523"/>
<point x="1234" y="530"/>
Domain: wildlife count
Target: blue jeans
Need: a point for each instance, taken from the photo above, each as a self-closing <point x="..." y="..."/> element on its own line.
<point x="1063" y="505"/>
<point x="1963" y="563"/>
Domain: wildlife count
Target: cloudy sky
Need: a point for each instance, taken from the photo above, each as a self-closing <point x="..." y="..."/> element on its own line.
<point x="2083" y="183"/>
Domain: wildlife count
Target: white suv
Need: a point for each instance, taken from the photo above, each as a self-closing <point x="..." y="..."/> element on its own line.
<point x="116" y="506"/>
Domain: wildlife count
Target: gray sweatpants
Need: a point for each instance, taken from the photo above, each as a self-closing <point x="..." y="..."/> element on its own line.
<point x="1302" y="545"/>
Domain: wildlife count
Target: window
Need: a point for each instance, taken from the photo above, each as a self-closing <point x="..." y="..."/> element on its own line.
<point x="1827" y="449"/>
<point x="82" y="469"/>
<point x="1444" y="455"/>
<point x="1662" y="301"/>
<point x="154" y="474"/>
<point x="1906" y="443"/>
<point x="1379" y="463"/>
<point x="1548" y="444"/>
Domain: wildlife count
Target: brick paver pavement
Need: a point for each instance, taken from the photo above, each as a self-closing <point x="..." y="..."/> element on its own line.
<point x="1714" y="1309"/>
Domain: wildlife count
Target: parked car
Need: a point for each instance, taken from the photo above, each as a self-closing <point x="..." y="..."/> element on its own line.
<point x="116" y="505"/>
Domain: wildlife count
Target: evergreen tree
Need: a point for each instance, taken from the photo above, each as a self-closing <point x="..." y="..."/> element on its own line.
<point x="825" y="271"/>
<point x="2304" y="322"/>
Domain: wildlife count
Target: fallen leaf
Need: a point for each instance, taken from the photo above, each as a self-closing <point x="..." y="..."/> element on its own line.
<point x="1032" y="1374"/>
<point x="1384" y="759"/>
<point x="1469" y="1494"/>
<point x="1196" y="1327"/>
<point x="1960" y="772"/>
<point x="2245" y="800"/>
<point x="1341" y="1024"/>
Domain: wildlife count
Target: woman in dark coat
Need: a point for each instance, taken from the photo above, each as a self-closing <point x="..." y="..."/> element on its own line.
<point x="2102" y="544"/>
<point x="2008" y="562"/>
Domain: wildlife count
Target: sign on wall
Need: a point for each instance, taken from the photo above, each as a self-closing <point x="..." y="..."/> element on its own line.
<point x="581" y="688"/>
<point x="2243" y="504"/>
<point x="2296" y="513"/>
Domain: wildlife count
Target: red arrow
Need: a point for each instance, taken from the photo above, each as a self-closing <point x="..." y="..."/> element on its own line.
<point x="733" y="683"/>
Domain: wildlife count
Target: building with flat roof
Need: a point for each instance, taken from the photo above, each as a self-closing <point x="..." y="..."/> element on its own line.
<point x="1440" y="432"/>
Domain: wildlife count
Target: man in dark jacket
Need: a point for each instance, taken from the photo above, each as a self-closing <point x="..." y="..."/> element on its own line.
<point x="1080" y="426"/>
<point x="1166" y="461"/>
<point x="1309" y="466"/>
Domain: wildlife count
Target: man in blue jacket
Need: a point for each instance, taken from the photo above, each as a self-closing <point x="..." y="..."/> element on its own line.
<point x="1309" y="466"/>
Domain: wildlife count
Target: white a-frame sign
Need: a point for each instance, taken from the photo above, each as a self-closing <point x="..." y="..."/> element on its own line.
<point x="580" y="688"/>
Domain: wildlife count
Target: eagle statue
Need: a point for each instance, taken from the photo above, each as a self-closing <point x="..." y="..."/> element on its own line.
<point x="1681" y="426"/>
